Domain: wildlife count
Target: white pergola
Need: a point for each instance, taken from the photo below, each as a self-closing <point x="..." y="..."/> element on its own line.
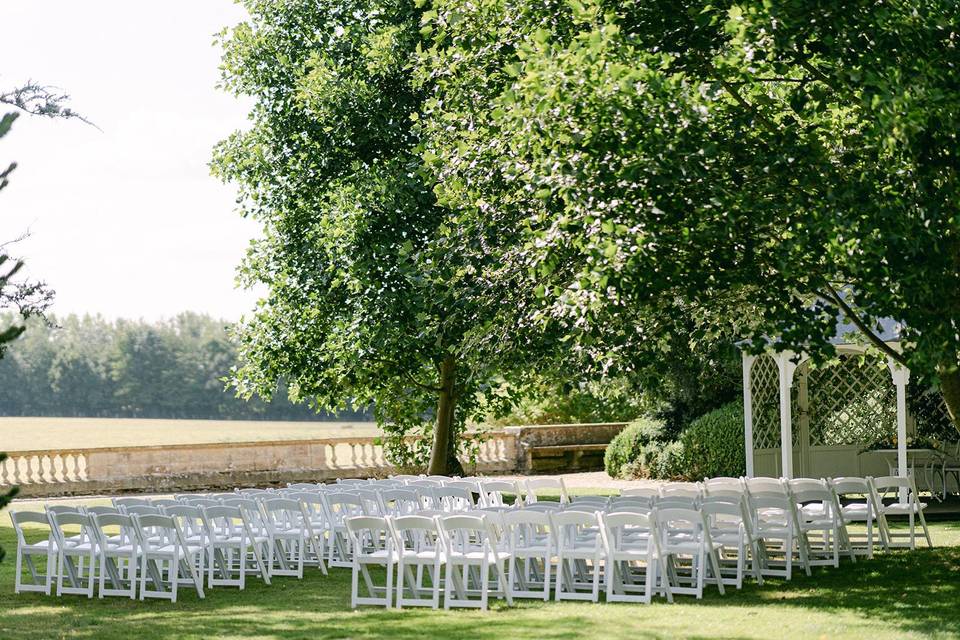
<point x="787" y="363"/>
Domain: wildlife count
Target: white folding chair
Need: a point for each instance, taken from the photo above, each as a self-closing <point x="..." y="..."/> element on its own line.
<point x="685" y="533"/>
<point x="288" y="534"/>
<point x="372" y="544"/>
<point x="81" y="547"/>
<point x="419" y="545"/>
<point x="492" y="491"/>
<point x="550" y="484"/>
<point x="531" y="548"/>
<point x="165" y="558"/>
<point x="579" y="551"/>
<point x="339" y="507"/>
<point x="231" y="547"/>
<point x="855" y="502"/>
<point x="451" y="499"/>
<point x="732" y="528"/>
<point x="471" y="542"/>
<point x="315" y="515"/>
<point x="400" y="502"/>
<point x="635" y="567"/>
<point x="818" y="523"/>
<point x="119" y="554"/>
<point x="685" y="490"/>
<point x="46" y="547"/>
<point x="121" y="503"/>
<point x="912" y="509"/>
<point x="646" y="491"/>
<point x="774" y="523"/>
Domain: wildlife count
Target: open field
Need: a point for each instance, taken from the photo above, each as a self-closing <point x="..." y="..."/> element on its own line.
<point x="896" y="595"/>
<point x="22" y="434"/>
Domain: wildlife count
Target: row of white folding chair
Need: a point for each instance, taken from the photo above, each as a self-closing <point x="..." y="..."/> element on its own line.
<point x="148" y="546"/>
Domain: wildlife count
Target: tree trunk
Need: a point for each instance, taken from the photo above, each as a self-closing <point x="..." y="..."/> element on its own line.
<point x="443" y="432"/>
<point x="950" y="388"/>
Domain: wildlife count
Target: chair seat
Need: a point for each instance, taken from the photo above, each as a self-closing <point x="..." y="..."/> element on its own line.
<point x="477" y="556"/>
<point x="421" y="555"/>
<point x="898" y="508"/>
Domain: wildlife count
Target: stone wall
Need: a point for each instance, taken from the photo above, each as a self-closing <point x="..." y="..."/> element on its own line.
<point x="225" y="465"/>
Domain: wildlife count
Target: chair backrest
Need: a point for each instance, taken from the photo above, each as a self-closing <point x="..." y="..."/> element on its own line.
<point x="283" y="513"/>
<point x="676" y="502"/>
<point x="342" y="505"/>
<point x="569" y="526"/>
<point x="621" y="530"/>
<point x="72" y="519"/>
<point x="141" y="509"/>
<point x="423" y="483"/>
<point x="129" y="502"/>
<point x="352" y="482"/>
<point x="649" y="491"/>
<point x="369" y="534"/>
<point x="157" y="532"/>
<point x="101" y="510"/>
<point x="527" y="528"/>
<point x="164" y="502"/>
<point x="416" y="533"/>
<point x="807" y="490"/>
<point x="466" y="485"/>
<point x="772" y="505"/>
<point x="491" y="492"/>
<point x="726" y="486"/>
<point x="372" y="503"/>
<point x="850" y="485"/>
<point x="765" y="485"/>
<point x="124" y="523"/>
<point x="600" y="501"/>
<point x="62" y="508"/>
<point x="189" y="517"/>
<point x="690" y="524"/>
<point x="400" y="502"/>
<point x="304" y="486"/>
<point x="452" y="499"/>
<point x="551" y="484"/>
<point x="681" y="490"/>
<point x="467" y="533"/>
<point x="201" y="502"/>
<point x="544" y="507"/>
<point x="20" y="518"/>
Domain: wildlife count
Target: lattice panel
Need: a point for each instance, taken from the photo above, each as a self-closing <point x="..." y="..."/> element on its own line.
<point x="929" y="411"/>
<point x="765" y="387"/>
<point x="852" y="402"/>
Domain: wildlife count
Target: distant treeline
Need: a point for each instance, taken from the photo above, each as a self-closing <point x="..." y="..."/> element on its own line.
<point x="93" y="367"/>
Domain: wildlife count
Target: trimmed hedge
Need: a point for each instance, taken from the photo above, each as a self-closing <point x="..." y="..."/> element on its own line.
<point x="632" y="445"/>
<point x="713" y="444"/>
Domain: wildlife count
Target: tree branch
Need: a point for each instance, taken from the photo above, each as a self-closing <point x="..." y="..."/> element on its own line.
<point x="832" y="296"/>
<point x="414" y="381"/>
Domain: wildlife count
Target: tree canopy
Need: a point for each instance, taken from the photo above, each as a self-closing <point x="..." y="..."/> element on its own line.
<point x="378" y="293"/>
<point x="753" y="166"/>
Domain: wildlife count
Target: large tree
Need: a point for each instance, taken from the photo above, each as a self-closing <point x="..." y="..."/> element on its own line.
<point x="378" y="293"/>
<point x="768" y="166"/>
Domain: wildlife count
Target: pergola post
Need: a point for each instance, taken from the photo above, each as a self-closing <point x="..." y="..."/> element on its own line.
<point x="787" y="367"/>
<point x="901" y="376"/>
<point x="748" y="410"/>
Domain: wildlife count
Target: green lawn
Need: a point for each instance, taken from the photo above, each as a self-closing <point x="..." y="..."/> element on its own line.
<point x="896" y="595"/>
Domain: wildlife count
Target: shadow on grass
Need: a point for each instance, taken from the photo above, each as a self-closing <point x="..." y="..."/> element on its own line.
<point x="901" y="592"/>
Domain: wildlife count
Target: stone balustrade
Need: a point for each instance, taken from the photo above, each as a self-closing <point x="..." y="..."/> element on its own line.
<point x="228" y="464"/>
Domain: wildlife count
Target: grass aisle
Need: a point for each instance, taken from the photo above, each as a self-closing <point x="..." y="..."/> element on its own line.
<point x="896" y="595"/>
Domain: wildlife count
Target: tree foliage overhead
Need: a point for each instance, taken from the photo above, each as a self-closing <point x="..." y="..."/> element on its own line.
<point x="377" y="292"/>
<point x="758" y="167"/>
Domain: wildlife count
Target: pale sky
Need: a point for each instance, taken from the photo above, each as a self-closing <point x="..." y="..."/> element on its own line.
<point x="126" y="221"/>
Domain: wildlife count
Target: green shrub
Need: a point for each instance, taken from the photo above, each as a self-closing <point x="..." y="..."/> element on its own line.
<point x="630" y="444"/>
<point x="713" y="444"/>
<point x="659" y="459"/>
